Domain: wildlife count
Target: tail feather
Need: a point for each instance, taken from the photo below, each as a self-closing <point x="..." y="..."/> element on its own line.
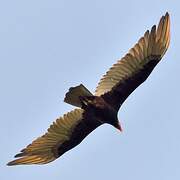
<point x="72" y="96"/>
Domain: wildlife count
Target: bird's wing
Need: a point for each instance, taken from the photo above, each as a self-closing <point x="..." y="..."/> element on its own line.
<point x="64" y="134"/>
<point x="134" y="68"/>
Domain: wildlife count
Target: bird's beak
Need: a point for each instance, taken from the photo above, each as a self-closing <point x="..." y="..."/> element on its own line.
<point x="118" y="126"/>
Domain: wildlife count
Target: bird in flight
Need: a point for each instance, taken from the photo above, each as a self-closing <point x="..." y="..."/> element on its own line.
<point x="94" y="110"/>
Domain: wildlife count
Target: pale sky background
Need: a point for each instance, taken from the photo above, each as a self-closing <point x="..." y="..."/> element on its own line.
<point x="47" y="47"/>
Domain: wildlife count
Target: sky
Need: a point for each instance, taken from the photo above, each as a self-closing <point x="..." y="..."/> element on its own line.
<point x="47" y="47"/>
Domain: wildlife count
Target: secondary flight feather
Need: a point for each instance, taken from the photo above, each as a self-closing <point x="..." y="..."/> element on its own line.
<point x="102" y="107"/>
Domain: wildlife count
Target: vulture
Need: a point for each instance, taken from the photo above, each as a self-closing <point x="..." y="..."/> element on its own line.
<point x="95" y="110"/>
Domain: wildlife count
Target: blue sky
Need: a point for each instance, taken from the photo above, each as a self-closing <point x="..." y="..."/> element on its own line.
<point x="47" y="47"/>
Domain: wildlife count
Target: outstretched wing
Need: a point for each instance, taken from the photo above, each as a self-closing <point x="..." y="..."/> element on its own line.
<point x="134" y="68"/>
<point x="64" y="134"/>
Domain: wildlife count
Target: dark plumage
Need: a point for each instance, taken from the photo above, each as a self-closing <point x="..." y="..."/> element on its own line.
<point x="94" y="110"/>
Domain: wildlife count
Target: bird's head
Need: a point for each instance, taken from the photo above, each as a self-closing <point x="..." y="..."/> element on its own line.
<point x="114" y="121"/>
<point x="117" y="125"/>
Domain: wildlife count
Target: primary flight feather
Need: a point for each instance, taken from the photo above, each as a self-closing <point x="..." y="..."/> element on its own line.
<point x="94" y="110"/>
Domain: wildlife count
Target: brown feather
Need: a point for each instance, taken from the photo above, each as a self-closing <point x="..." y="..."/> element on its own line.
<point x="136" y="65"/>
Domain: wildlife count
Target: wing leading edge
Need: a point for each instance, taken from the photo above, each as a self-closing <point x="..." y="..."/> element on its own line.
<point x="134" y="68"/>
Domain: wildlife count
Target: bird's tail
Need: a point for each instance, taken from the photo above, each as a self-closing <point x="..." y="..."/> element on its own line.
<point x="72" y="96"/>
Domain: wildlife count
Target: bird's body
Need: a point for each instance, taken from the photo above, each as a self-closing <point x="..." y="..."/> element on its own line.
<point x="102" y="107"/>
<point x="96" y="112"/>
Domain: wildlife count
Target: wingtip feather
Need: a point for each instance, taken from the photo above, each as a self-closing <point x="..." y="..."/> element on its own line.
<point x="11" y="163"/>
